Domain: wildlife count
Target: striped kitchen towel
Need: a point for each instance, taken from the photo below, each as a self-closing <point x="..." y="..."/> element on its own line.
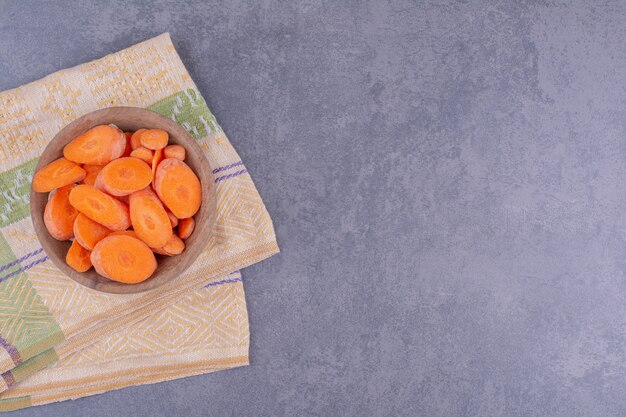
<point x="60" y="340"/>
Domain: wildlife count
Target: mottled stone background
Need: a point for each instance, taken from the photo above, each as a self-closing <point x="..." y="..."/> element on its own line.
<point x="447" y="184"/>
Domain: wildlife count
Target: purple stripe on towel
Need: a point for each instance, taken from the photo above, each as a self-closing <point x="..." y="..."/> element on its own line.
<point x="24" y="268"/>
<point x="8" y="377"/>
<point x="234" y="174"/>
<point x="225" y="167"/>
<point x="224" y="281"/>
<point x="23" y="258"/>
<point x="11" y="350"/>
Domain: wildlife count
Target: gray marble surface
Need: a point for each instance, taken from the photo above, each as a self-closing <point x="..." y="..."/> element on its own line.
<point x="447" y="184"/>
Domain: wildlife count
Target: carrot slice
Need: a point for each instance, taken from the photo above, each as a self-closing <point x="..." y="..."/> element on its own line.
<point x="144" y="154"/>
<point x="185" y="227"/>
<point x="128" y="148"/>
<point x="78" y="257"/>
<point x="123" y="199"/>
<point x="125" y="233"/>
<point x="174" y="151"/>
<point x="178" y="187"/>
<point x="174" y="246"/>
<point x="149" y="218"/>
<point x="135" y="139"/>
<point x="97" y="146"/>
<point x="87" y="232"/>
<point x="99" y="183"/>
<point x="160" y="251"/>
<point x="100" y="207"/>
<point x="59" y="214"/>
<point x="124" y="176"/>
<point x="156" y="160"/>
<point x="92" y="173"/>
<point x="154" y="139"/>
<point x="123" y="259"/>
<point x="173" y="219"/>
<point x="57" y="174"/>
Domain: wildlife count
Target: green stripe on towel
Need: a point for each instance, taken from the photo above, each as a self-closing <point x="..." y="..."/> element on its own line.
<point x="189" y="109"/>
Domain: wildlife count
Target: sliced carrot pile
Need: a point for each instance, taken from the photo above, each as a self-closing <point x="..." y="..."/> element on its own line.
<point x="100" y="207"/>
<point x="57" y="174"/>
<point x="59" y="215"/>
<point x="154" y="139"/>
<point x="87" y="232"/>
<point x="149" y="218"/>
<point x="174" y="151"/>
<point x="124" y="176"/>
<point x="178" y="187"/>
<point x="135" y="139"/>
<point x="144" y="154"/>
<point x="123" y="197"/>
<point x="174" y="246"/>
<point x="92" y="173"/>
<point x="78" y="257"/>
<point x="124" y="259"/>
<point x="97" y="146"/>
<point x="185" y="227"/>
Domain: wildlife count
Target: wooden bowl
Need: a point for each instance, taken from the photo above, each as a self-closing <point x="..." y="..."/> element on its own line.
<point x="130" y="119"/>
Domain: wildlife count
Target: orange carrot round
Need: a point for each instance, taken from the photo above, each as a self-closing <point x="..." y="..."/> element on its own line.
<point x="160" y="251"/>
<point x="123" y="259"/>
<point x="149" y="218"/>
<point x="124" y="176"/>
<point x="178" y="187"/>
<point x="135" y="139"/>
<point x="124" y="233"/>
<point x="100" y="207"/>
<point x="174" y="151"/>
<point x="144" y="154"/>
<point x="92" y="173"/>
<point x="97" y="146"/>
<point x="173" y="219"/>
<point x="57" y="174"/>
<point x="154" y="139"/>
<point x="174" y="246"/>
<point x="99" y="183"/>
<point x="87" y="232"/>
<point x="185" y="227"/>
<point x="123" y="199"/>
<point x="156" y="160"/>
<point x="78" y="258"/>
<point x="59" y="215"/>
<point x="128" y="148"/>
